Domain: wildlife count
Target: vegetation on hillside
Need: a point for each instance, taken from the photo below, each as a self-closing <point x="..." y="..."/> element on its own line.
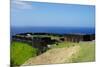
<point x="20" y="52"/>
<point x="86" y="53"/>
<point x="65" y="44"/>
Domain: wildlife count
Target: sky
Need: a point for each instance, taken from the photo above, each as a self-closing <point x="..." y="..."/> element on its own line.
<point x="39" y="14"/>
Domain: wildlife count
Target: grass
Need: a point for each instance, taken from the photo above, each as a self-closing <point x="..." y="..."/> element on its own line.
<point x="51" y="36"/>
<point x="86" y="53"/>
<point x="65" y="44"/>
<point x="20" y="52"/>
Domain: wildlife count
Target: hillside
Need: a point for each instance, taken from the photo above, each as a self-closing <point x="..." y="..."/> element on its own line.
<point x="66" y="53"/>
<point x="56" y="55"/>
<point x="21" y="52"/>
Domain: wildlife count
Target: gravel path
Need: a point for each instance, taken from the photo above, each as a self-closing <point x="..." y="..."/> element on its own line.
<point x="54" y="56"/>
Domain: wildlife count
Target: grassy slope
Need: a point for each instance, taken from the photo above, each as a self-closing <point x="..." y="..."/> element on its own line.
<point x="65" y="44"/>
<point x="20" y="52"/>
<point x="86" y="53"/>
<point x="80" y="52"/>
<point x="53" y="56"/>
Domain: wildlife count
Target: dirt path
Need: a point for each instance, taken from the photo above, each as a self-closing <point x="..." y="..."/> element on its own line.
<point x="55" y="55"/>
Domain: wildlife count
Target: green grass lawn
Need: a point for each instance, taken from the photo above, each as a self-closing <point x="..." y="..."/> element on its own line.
<point x="65" y="44"/>
<point x="86" y="53"/>
<point x="20" y="52"/>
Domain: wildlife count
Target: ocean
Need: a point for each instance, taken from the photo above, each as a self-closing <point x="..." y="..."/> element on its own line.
<point x="57" y="30"/>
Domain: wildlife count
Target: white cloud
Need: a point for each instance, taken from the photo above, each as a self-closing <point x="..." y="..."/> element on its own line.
<point x="21" y="4"/>
<point x="84" y="2"/>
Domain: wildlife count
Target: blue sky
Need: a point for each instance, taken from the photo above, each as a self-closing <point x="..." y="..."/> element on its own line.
<point x="47" y="14"/>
